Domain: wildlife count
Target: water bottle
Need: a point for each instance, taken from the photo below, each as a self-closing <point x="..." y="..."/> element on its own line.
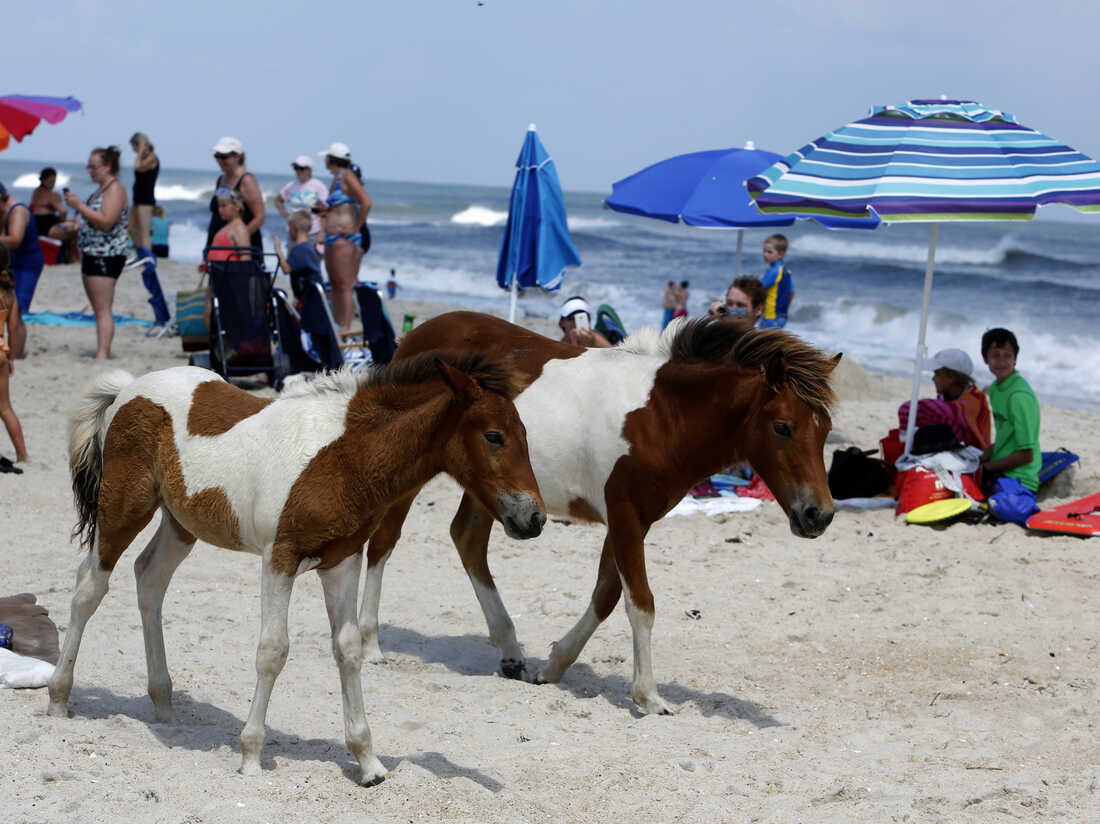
<point x="407" y="326"/>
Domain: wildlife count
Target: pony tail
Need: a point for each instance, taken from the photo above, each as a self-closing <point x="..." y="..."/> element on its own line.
<point x="86" y="431"/>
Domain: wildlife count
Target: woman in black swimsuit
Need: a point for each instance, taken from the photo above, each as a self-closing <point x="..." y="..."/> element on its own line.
<point x="146" y="169"/>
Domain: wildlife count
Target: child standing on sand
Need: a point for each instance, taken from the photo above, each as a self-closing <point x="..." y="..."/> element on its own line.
<point x="778" y="284"/>
<point x="9" y="316"/>
<point x="301" y="262"/>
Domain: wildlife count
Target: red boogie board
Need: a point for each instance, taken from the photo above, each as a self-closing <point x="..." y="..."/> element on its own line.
<point x="1078" y="518"/>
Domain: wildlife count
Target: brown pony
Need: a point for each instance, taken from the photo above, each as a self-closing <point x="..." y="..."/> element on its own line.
<point x="618" y="436"/>
<point x="301" y="481"/>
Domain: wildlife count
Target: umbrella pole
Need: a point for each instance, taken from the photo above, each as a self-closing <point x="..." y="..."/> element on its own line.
<point x="512" y="308"/>
<point x="740" y="244"/>
<point x="922" y="350"/>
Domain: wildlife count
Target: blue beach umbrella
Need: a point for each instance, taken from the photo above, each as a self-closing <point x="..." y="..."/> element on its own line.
<point x="928" y="161"/>
<point x="536" y="247"/>
<point x="708" y="189"/>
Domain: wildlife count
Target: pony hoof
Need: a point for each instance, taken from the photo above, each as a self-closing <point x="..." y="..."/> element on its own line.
<point x="57" y="710"/>
<point x="511" y="668"/>
<point x="374" y="774"/>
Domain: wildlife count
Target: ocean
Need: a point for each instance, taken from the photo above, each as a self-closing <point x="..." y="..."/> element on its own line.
<point x="855" y="291"/>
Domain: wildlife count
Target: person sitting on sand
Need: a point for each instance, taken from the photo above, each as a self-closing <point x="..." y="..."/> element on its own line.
<point x="575" y="322"/>
<point x="744" y="299"/>
<point x="50" y="215"/>
<point x="9" y="314"/>
<point x="1010" y="465"/>
<point x="960" y="404"/>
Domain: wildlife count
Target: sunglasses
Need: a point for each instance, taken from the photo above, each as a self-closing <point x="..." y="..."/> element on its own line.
<point x="298" y="168"/>
<point x="224" y="155"/>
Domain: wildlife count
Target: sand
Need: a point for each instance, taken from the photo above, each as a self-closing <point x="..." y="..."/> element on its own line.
<point x="880" y="673"/>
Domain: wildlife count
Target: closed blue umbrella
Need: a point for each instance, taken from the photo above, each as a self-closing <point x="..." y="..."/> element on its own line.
<point x="929" y="161"/>
<point x="536" y="247"/>
<point x="708" y="189"/>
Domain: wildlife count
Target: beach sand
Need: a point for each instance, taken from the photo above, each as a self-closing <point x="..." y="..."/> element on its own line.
<point x="880" y="673"/>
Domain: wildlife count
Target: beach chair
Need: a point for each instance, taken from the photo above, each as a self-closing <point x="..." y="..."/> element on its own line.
<point x="377" y="332"/>
<point x="244" y="324"/>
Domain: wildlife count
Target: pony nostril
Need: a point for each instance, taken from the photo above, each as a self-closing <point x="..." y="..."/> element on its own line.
<point x="811" y="515"/>
<point x="538" y="520"/>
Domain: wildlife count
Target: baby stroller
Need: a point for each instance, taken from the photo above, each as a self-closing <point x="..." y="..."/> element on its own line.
<point x="244" y="327"/>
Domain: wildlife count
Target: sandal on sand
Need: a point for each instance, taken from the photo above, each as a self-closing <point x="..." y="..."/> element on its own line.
<point x="7" y="466"/>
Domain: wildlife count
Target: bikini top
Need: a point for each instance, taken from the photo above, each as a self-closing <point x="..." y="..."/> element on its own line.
<point x="337" y="196"/>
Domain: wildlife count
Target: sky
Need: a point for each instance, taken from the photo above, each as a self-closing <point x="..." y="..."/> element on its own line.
<point x="443" y="90"/>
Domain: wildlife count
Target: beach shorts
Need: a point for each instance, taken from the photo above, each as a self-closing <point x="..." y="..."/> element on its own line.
<point x="771" y="323"/>
<point x="102" y="266"/>
<point x="1012" y="501"/>
<point x="160" y="250"/>
<point x="26" y="281"/>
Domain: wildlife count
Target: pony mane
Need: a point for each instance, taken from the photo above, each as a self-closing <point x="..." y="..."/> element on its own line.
<point x="487" y="373"/>
<point x="807" y="369"/>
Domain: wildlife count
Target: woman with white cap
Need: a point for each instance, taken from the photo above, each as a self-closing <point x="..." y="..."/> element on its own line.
<point x="229" y="153"/>
<point x="302" y="194"/>
<point x="345" y="214"/>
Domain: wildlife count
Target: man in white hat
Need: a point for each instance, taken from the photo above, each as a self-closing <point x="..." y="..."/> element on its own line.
<point x="575" y="322"/>
<point x="303" y="194"/>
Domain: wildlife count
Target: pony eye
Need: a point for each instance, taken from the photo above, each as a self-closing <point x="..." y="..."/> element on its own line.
<point x="495" y="438"/>
<point x="782" y="429"/>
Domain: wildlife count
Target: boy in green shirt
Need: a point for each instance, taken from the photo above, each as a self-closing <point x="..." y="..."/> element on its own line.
<point x="1011" y="464"/>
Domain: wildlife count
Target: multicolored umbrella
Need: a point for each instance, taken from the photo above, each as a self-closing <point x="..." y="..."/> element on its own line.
<point x="20" y="114"/>
<point x="708" y="189"/>
<point x="929" y="161"/>
<point x="536" y="247"/>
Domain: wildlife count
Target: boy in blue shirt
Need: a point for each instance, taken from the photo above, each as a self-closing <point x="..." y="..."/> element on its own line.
<point x="778" y="284"/>
<point x="1011" y="464"/>
<point x="159" y="237"/>
<point x="301" y="262"/>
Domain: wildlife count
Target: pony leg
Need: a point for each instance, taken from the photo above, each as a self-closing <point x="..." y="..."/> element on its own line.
<point x="470" y="532"/>
<point x="92" y="581"/>
<point x="271" y="655"/>
<point x="604" y="597"/>
<point x="380" y="548"/>
<point x="154" y="569"/>
<point x="340" y="584"/>
<point x="91" y="586"/>
<point x="630" y="560"/>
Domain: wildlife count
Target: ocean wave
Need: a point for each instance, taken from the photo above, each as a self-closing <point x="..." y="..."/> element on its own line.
<point x="29" y="180"/>
<point x="846" y="247"/>
<point x="177" y="191"/>
<point x="479" y="216"/>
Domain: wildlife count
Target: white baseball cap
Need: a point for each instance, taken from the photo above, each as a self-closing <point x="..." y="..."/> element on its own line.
<point x="305" y="161"/>
<point x="228" y="145"/>
<point x="574" y="305"/>
<point x="954" y="359"/>
<point x="338" y="150"/>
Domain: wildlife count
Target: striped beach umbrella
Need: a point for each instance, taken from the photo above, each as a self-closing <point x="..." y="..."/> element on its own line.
<point x="20" y="114"/>
<point x="928" y="161"/>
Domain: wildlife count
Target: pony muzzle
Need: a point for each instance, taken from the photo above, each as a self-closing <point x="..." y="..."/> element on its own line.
<point x="808" y="519"/>
<point x="522" y="514"/>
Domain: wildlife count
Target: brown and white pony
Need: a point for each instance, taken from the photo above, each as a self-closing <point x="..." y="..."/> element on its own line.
<point x="301" y="481"/>
<point x="618" y="436"/>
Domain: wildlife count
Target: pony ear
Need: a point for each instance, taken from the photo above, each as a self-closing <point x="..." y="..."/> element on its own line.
<point x="464" y="387"/>
<point x="775" y="372"/>
<point x="836" y="359"/>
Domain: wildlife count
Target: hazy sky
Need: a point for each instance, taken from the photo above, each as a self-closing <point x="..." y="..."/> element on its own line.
<point x="443" y="91"/>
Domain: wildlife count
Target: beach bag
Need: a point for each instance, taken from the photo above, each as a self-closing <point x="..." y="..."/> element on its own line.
<point x="190" y="304"/>
<point x="855" y="474"/>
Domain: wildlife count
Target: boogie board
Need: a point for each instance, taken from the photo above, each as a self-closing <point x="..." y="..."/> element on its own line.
<point x="937" y="511"/>
<point x="1078" y="518"/>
